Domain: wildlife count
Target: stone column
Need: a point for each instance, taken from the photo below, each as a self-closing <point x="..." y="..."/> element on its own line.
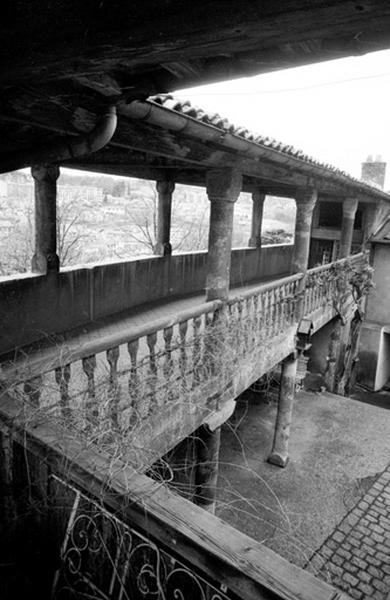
<point x="257" y="219"/>
<point x="305" y="201"/>
<point x="369" y="221"/>
<point x="163" y="245"/>
<point x="279" y="453"/>
<point x="349" y="211"/>
<point x="206" y="474"/>
<point x="45" y="257"/>
<point x="223" y="188"/>
<point x="333" y="356"/>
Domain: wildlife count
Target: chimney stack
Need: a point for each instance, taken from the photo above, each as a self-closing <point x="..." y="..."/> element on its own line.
<point x="374" y="171"/>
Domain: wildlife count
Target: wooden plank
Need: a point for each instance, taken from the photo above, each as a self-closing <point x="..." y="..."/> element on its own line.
<point x="247" y="568"/>
<point x="273" y="35"/>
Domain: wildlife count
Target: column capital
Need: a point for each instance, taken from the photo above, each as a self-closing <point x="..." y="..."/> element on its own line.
<point x="224" y="184"/>
<point x="258" y="195"/>
<point x="350" y="206"/>
<point x="165" y="186"/>
<point x="307" y="196"/>
<point x="45" y="172"/>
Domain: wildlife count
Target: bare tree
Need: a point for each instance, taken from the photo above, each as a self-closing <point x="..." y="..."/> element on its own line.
<point x="18" y="246"/>
<point x="70" y="234"/>
<point x="187" y="233"/>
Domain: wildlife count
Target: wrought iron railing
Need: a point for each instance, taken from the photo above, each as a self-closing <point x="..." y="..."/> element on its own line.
<point x="114" y="534"/>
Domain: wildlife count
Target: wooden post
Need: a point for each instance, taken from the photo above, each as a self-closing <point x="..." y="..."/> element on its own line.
<point x="45" y="257"/>
<point x="279" y="454"/>
<point x="305" y="201"/>
<point x="223" y="188"/>
<point x="206" y="474"/>
<point x="164" y="208"/>
<point x="349" y="211"/>
<point x="258" y="198"/>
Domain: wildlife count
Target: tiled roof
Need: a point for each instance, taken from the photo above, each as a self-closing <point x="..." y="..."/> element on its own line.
<point x="186" y="108"/>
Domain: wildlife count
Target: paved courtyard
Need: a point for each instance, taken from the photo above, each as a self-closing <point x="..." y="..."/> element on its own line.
<point x="328" y="510"/>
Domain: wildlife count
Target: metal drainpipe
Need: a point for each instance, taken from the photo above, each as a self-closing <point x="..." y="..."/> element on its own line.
<point x="66" y="147"/>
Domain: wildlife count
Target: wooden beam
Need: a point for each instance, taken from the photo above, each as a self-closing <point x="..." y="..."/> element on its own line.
<point x="240" y="37"/>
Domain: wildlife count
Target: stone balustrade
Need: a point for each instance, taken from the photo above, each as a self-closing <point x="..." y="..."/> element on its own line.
<point x="177" y="371"/>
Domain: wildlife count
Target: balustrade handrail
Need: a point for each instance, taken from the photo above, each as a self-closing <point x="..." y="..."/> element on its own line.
<point x="354" y="258"/>
<point x="72" y="350"/>
<point x="265" y="287"/>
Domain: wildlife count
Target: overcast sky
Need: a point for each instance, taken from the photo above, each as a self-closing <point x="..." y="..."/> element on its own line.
<point x="338" y="111"/>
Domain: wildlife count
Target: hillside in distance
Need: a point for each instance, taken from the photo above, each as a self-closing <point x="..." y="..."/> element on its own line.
<point x="110" y="218"/>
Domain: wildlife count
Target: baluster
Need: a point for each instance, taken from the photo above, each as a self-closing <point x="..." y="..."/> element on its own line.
<point x="168" y="368"/>
<point x="255" y="319"/>
<point x="252" y="321"/>
<point x="286" y="305"/>
<point x="183" y="328"/>
<point x="62" y="377"/>
<point x="112" y="359"/>
<point x="89" y="366"/>
<point x="293" y="292"/>
<point x="272" y="311"/>
<point x="208" y="346"/>
<point x="32" y="388"/>
<point x="134" y="394"/>
<point x="282" y="307"/>
<point x="152" y="401"/>
<point x="240" y="327"/>
<point x="316" y="293"/>
<point x="277" y="314"/>
<point x="260" y="321"/>
<point x="247" y="325"/>
<point x="196" y="352"/>
<point x="265" y="315"/>
<point x="307" y="300"/>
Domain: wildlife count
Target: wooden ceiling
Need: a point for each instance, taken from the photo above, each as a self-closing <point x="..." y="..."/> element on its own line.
<point x="62" y="61"/>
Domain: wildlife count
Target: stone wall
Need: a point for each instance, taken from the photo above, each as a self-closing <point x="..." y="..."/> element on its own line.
<point x="35" y="306"/>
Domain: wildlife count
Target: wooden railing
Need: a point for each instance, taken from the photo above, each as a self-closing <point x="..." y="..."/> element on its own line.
<point x="185" y="363"/>
<point x="123" y="534"/>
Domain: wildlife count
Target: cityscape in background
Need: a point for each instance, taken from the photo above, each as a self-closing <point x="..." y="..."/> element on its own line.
<point x="109" y="218"/>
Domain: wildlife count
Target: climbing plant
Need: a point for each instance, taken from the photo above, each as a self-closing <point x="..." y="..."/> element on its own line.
<point x="342" y="278"/>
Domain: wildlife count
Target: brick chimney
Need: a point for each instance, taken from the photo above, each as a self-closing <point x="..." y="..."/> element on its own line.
<point x="374" y="171"/>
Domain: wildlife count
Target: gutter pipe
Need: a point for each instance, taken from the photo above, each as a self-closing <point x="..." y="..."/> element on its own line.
<point x="155" y="114"/>
<point x="66" y="148"/>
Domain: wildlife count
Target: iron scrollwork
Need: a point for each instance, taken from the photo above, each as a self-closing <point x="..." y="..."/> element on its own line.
<point x="105" y="559"/>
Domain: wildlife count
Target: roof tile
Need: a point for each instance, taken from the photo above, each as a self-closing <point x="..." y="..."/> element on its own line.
<point x="214" y="119"/>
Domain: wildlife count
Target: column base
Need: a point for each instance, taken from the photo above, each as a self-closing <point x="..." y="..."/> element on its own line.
<point x="209" y="507"/>
<point x="45" y="263"/>
<point x="254" y="242"/>
<point x="161" y="249"/>
<point x="278" y="460"/>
